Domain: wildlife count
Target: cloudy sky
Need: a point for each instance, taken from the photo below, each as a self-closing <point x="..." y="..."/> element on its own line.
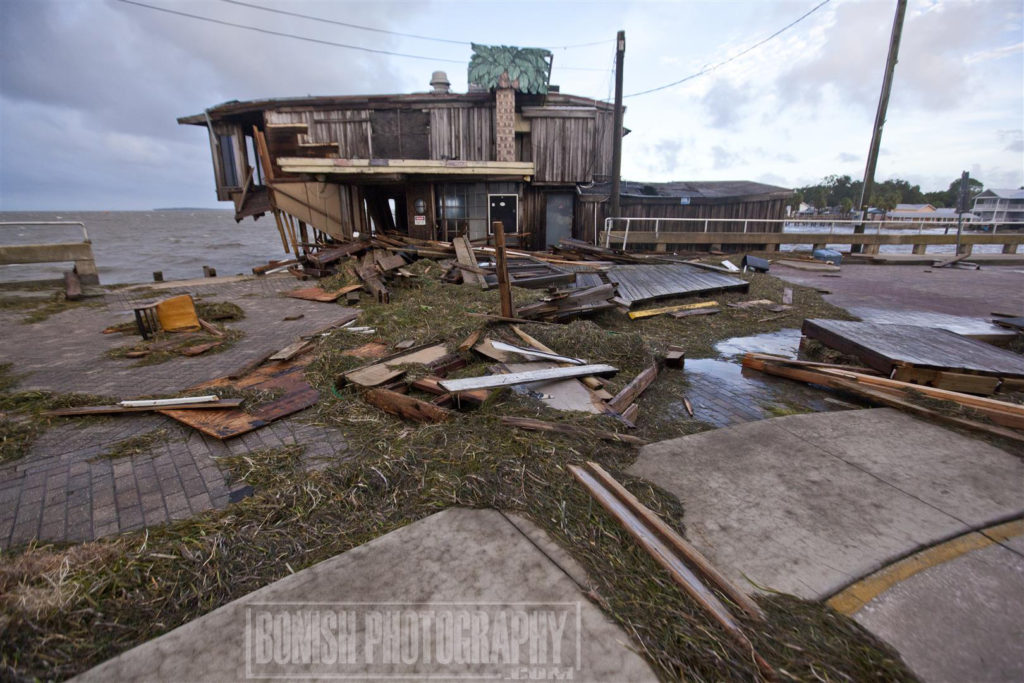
<point x="90" y="89"/>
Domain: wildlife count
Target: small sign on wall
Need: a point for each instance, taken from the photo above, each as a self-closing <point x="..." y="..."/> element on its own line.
<point x="419" y="220"/>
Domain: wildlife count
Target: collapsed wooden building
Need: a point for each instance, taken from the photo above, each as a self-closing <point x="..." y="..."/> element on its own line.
<point x="434" y="165"/>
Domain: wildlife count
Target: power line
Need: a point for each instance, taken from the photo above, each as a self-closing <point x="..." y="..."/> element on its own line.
<point x="709" y="69"/>
<point x="381" y="30"/>
<point x="289" y="35"/>
<point x="316" y="40"/>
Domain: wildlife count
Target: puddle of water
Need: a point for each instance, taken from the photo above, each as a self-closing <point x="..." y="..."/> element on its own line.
<point x="723" y="393"/>
<point x="782" y="343"/>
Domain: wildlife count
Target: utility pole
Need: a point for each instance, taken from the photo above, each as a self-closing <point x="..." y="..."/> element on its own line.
<point x="883" y="105"/>
<point x="620" y="54"/>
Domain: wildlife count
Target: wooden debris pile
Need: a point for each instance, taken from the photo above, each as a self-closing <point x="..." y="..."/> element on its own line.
<point x="561" y="382"/>
<point x="959" y="409"/>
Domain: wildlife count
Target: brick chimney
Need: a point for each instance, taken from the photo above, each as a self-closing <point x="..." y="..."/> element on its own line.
<point x="505" y="124"/>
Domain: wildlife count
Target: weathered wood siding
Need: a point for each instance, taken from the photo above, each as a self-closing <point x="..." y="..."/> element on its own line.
<point x="337" y="210"/>
<point x="465" y="133"/>
<point x="563" y="149"/>
<point x="348" y="128"/>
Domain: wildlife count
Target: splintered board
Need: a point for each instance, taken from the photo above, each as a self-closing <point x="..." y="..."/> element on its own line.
<point x="638" y="283"/>
<point x="317" y="294"/>
<point x="288" y="377"/>
<point x="391" y="368"/>
<point x="884" y="347"/>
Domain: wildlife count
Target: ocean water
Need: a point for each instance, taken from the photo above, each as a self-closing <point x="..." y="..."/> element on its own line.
<point x="130" y="245"/>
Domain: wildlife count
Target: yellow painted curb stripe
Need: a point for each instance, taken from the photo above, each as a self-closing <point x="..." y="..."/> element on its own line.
<point x="853" y="598"/>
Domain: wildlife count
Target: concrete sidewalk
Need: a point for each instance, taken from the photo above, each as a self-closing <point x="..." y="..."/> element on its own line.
<point x="806" y="504"/>
<point x="490" y="572"/>
<point x="962" y="620"/>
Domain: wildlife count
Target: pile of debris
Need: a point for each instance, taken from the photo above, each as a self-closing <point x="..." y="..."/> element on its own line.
<point x="560" y="382"/>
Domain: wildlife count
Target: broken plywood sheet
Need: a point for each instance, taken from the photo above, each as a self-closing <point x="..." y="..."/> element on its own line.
<point x="288" y="377"/>
<point x="563" y="394"/>
<point x="639" y="283"/>
<point x="318" y="294"/>
<point x="391" y="368"/>
<point x="883" y="347"/>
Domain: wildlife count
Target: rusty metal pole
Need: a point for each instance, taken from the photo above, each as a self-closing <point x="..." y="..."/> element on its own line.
<point x="615" y="210"/>
<point x="883" y="105"/>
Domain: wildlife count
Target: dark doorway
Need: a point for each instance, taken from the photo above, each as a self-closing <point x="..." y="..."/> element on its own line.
<point x="504" y="208"/>
<point x="558" y="217"/>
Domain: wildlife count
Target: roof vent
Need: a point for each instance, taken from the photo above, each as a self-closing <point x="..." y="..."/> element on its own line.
<point x="439" y="83"/>
<point x="649" y="190"/>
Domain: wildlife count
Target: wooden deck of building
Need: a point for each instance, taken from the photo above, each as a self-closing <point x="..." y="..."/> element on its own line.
<point x="640" y="283"/>
<point x="885" y="347"/>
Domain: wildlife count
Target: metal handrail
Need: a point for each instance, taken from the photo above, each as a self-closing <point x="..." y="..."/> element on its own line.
<point x="85" y="233"/>
<point x="785" y="221"/>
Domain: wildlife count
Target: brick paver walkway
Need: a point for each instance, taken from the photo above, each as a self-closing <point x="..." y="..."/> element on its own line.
<point x="65" y="490"/>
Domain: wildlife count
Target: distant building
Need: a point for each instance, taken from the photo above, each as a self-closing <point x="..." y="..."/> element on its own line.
<point x="914" y="208"/>
<point x="999" y="206"/>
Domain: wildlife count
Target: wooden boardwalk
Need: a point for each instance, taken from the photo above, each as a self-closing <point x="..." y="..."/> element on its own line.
<point x="640" y="283"/>
<point x="884" y="347"/>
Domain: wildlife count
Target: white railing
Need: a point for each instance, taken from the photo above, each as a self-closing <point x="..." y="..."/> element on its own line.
<point x="704" y="223"/>
<point x="19" y="224"/>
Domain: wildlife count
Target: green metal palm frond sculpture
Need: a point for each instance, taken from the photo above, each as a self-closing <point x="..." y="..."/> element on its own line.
<point x="528" y="70"/>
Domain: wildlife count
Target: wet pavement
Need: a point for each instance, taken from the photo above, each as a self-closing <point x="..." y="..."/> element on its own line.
<point x="724" y="393"/>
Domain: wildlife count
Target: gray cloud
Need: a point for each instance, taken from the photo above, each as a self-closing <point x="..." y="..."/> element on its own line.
<point x="722" y="159"/>
<point x="847" y="158"/>
<point x="89" y="92"/>
<point x="1013" y="139"/>
<point x="666" y="155"/>
<point x="724" y="103"/>
<point x="933" y="69"/>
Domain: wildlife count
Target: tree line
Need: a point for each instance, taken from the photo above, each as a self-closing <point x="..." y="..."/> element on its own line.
<point x="842" y="192"/>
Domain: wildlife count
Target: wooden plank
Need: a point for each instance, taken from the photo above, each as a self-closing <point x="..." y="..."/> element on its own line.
<point x="380" y="372"/>
<point x="949" y="261"/>
<point x="1000" y="412"/>
<point x="663" y="554"/>
<point x="506" y="319"/>
<point x="492" y="381"/>
<point x="893" y="402"/>
<point x="116" y="409"/>
<point x="405" y="407"/>
<point x="469" y="341"/>
<point x="464" y="255"/>
<point x="533" y="425"/>
<point x="632" y="390"/>
<point x="504" y="288"/>
<point x="696" y="312"/>
<point x="287" y="377"/>
<point x="591" y="382"/>
<point x="292" y="350"/>
<point x="318" y="294"/>
<point x="677" y="542"/>
<point x="983" y="385"/>
<point x="634" y="315"/>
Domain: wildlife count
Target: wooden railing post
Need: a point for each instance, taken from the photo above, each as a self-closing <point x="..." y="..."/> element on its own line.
<point x="501" y="266"/>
